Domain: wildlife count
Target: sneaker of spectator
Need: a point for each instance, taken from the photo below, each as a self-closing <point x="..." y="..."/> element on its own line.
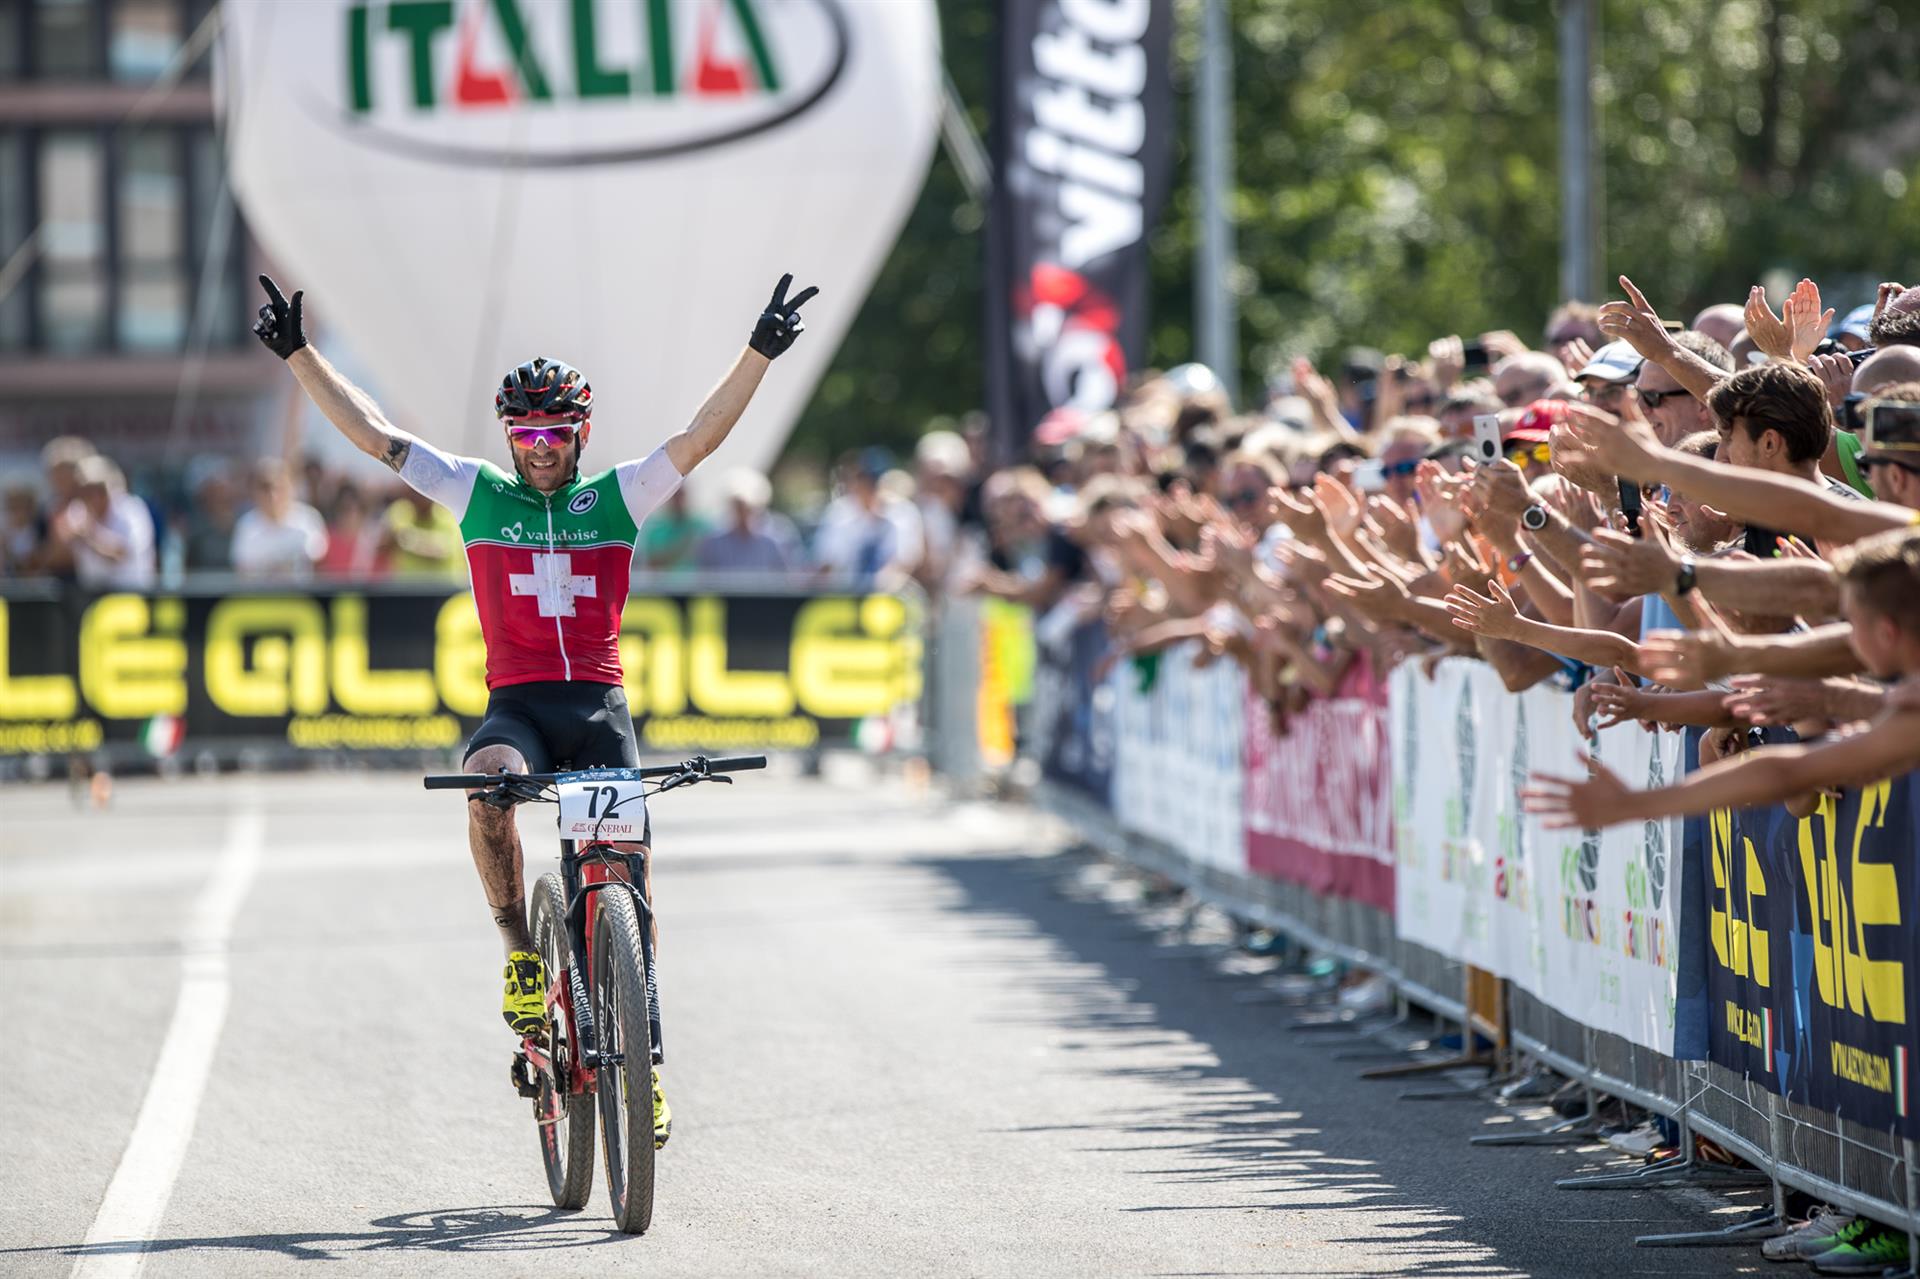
<point x="754" y="539"/>
<point x="1639" y="1141"/>
<point x="108" y="531"/>
<point x="1825" y="1221"/>
<point x="1873" y="1251"/>
<point x="279" y="537"/>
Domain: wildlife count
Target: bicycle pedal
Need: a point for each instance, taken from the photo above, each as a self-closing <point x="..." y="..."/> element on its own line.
<point x="522" y="1075"/>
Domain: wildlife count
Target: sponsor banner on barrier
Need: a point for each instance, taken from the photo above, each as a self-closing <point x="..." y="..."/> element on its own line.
<point x="1082" y="137"/>
<point x="1073" y="710"/>
<point x="386" y="668"/>
<point x="1810" y="949"/>
<point x="1176" y="768"/>
<point x="1319" y="810"/>
<point x="1583" y="921"/>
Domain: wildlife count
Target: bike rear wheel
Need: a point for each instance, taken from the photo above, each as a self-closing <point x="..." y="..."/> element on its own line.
<point x="625" y="1090"/>
<point x="566" y="1146"/>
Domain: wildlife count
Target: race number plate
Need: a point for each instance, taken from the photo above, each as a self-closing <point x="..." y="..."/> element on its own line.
<point x="602" y="809"/>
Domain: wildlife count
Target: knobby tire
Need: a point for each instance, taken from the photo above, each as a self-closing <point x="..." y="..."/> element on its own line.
<point x="625" y="1091"/>
<point x="566" y="1147"/>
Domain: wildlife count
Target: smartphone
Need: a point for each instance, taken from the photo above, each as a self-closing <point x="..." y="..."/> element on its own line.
<point x="1858" y="357"/>
<point x="1475" y="353"/>
<point x="1370" y="476"/>
<point x="1486" y="438"/>
<point x="1630" y="505"/>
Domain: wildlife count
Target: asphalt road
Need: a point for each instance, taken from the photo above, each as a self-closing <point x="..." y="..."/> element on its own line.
<point x="251" y="1025"/>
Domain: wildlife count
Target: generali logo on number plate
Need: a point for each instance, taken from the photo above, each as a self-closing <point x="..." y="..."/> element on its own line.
<point x="595" y="81"/>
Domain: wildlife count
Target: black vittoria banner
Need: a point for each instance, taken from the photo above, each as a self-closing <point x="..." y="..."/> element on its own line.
<point x="1082" y="125"/>
<point x="397" y="667"/>
<point x="1805" y="929"/>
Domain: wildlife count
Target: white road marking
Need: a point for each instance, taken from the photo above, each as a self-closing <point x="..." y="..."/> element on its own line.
<point x="136" y="1198"/>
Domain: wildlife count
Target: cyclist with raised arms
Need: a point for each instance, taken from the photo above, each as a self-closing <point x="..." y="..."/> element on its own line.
<point x="549" y="550"/>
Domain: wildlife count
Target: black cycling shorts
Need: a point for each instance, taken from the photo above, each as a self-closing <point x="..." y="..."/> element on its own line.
<point x="561" y="723"/>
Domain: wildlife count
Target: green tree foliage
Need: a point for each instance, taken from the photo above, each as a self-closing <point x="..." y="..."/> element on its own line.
<point x="1397" y="170"/>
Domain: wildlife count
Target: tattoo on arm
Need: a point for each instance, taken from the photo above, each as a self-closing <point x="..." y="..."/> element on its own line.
<point x="396" y="455"/>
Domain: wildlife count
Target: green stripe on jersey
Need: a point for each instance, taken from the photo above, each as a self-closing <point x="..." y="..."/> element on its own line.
<point x="507" y="511"/>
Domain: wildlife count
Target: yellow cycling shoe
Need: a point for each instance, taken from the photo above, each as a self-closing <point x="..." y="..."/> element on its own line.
<point x="662" y="1113"/>
<point x="524" y="1004"/>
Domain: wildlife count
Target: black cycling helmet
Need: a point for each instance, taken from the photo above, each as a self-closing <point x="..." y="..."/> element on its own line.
<point x="543" y="388"/>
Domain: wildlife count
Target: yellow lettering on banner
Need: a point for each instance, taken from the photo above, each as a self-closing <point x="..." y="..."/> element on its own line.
<point x="1738" y="943"/>
<point x="362" y="690"/>
<point x="51" y="697"/>
<point x="1880" y="983"/>
<point x="1845" y="974"/>
<point x="719" y="691"/>
<point x="287" y="668"/>
<point x="126" y="671"/>
<point x="460" y="656"/>
<point x="653" y="666"/>
<point x="846" y="662"/>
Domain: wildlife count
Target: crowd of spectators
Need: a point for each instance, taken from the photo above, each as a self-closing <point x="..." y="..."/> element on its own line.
<point x="879" y="523"/>
<point x="1712" y="526"/>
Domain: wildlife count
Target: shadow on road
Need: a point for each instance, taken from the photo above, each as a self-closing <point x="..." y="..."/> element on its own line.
<point x="514" y="1228"/>
<point x="1269" y="1121"/>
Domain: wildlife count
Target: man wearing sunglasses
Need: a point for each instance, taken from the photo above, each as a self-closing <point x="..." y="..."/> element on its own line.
<point x="1672" y="410"/>
<point x="549" y="550"/>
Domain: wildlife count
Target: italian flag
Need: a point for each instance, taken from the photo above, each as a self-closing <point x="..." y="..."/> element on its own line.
<point x="162" y="735"/>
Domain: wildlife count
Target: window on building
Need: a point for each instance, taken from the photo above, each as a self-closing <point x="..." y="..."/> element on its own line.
<point x="65" y="39"/>
<point x="15" y="225"/>
<point x="151" y="195"/>
<point x="143" y="38"/>
<point x="73" y="241"/>
<point x="230" y="304"/>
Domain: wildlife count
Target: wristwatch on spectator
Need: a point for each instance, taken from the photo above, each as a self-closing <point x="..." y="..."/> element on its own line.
<point x="1534" y="518"/>
<point x="1685" y="582"/>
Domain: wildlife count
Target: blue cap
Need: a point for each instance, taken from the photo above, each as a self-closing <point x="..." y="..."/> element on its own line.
<point x="1858" y="322"/>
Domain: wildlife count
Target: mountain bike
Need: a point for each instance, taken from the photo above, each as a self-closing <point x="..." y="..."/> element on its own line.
<point x="603" y="1014"/>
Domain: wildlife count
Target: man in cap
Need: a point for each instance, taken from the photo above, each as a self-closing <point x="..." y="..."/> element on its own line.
<point x="1607" y="378"/>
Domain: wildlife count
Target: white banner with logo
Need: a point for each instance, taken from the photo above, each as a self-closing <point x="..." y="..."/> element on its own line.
<point x="1585" y="922"/>
<point x="461" y="185"/>
<point x="1176" y="769"/>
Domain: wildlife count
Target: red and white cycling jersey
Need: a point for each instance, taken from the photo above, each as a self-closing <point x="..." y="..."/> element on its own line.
<point x="549" y="570"/>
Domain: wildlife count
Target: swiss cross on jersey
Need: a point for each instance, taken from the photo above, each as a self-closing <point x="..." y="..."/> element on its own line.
<point x="552" y="583"/>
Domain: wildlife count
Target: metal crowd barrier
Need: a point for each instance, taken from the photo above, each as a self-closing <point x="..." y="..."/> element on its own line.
<point x="1789" y="1146"/>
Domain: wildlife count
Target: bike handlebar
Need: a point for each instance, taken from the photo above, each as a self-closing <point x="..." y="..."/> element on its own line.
<point x="473" y="781"/>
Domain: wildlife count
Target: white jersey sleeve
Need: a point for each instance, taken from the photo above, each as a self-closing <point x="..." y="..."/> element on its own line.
<point x="646" y="483"/>
<point x="445" y="478"/>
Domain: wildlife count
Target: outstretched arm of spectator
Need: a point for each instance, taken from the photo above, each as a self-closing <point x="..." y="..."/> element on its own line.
<point x="1760" y="776"/>
<point x="1639" y="325"/>
<point x="1746" y="494"/>
<point x="1694" y="658"/>
<point x="1618" y="703"/>
<point x="1497" y="618"/>
<point x="1622" y="565"/>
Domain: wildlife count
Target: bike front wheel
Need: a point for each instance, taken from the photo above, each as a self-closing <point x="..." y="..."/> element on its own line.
<point x="566" y="1143"/>
<point x="625" y="1090"/>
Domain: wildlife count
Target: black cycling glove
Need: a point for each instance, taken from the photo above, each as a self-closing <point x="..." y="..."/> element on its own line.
<point x="278" y="327"/>
<point x="780" y="323"/>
